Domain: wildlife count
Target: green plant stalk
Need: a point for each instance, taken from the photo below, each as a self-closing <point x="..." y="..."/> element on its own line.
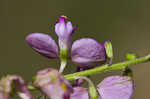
<point x="105" y="68"/>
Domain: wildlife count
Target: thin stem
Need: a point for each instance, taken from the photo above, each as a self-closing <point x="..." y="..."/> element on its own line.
<point x="62" y="66"/>
<point x="105" y="68"/>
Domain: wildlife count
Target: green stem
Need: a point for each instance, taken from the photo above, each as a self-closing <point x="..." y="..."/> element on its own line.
<point x="104" y="68"/>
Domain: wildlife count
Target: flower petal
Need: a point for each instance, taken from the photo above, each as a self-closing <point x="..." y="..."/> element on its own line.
<point x="116" y="87"/>
<point x="69" y="27"/>
<point x="60" y="27"/>
<point x="52" y="84"/>
<point x="88" y="52"/>
<point x="80" y="93"/>
<point x="43" y="44"/>
<point x="63" y="29"/>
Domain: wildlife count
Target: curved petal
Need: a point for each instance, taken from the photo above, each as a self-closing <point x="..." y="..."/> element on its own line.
<point x="63" y="29"/>
<point x="116" y="87"/>
<point x="52" y="84"/>
<point x="88" y="52"/>
<point x="43" y="44"/>
<point x="80" y="93"/>
<point x="60" y="27"/>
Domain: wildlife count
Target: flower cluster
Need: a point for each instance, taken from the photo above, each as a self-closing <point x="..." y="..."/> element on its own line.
<point x="86" y="53"/>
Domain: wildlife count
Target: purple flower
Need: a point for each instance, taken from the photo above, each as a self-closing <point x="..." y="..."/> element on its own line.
<point x="6" y="87"/>
<point x="52" y="84"/>
<point x="64" y="32"/>
<point x="43" y="44"/>
<point x="87" y="52"/>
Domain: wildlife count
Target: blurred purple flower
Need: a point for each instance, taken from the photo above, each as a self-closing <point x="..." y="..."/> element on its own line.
<point x="52" y="84"/>
<point x="87" y="52"/>
<point x="21" y="87"/>
<point x="112" y="87"/>
<point x="116" y="87"/>
<point x="43" y="44"/>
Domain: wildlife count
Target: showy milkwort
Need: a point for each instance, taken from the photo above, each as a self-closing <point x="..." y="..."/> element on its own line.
<point x="85" y="52"/>
<point x="64" y="32"/>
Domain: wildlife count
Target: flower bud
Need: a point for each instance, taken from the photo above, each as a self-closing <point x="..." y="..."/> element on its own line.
<point x="87" y="52"/>
<point x="43" y="44"/>
<point x="116" y="87"/>
<point x="52" y="84"/>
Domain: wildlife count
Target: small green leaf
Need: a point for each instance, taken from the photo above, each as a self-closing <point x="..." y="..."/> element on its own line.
<point x="108" y="48"/>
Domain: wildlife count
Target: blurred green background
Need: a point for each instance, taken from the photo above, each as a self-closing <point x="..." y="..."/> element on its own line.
<point x="125" y="22"/>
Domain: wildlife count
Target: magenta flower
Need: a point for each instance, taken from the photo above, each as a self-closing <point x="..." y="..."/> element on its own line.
<point x="52" y="84"/>
<point x="87" y="52"/>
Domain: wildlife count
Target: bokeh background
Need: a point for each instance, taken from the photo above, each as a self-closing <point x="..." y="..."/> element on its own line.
<point x="125" y="22"/>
